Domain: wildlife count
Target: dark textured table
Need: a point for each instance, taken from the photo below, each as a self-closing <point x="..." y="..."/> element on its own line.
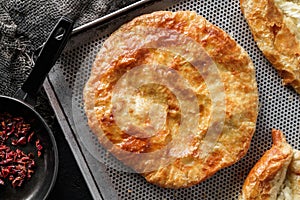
<point x="70" y="183"/>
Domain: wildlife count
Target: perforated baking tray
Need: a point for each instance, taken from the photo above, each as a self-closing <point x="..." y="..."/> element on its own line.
<point x="109" y="179"/>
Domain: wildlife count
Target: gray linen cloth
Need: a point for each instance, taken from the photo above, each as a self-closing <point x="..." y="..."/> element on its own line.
<point x="25" y="25"/>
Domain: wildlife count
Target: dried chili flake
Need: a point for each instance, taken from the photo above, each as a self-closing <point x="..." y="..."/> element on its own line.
<point x="38" y="145"/>
<point x="29" y="138"/>
<point x="22" y="140"/>
<point x="5" y="172"/>
<point x="17" y="182"/>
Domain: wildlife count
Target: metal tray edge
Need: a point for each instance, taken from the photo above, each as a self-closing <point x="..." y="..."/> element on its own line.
<point x="109" y="16"/>
<point x="73" y="144"/>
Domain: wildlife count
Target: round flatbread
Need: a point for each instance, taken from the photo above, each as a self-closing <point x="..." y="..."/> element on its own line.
<point x="173" y="97"/>
<point x="276" y="30"/>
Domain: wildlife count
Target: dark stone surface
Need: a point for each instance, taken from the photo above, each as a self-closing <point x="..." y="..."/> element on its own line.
<point x="70" y="183"/>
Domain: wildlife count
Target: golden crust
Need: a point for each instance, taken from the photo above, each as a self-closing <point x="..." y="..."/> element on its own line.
<point x="267" y="176"/>
<point x="274" y="25"/>
<point x="179" y="169"/>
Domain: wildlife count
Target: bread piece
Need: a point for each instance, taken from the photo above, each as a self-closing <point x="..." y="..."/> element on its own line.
<point x="152" y="142"/>
<point x="276" y="30"/>
<point x="266" y="178"/>
<point x="291" y="187"/>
